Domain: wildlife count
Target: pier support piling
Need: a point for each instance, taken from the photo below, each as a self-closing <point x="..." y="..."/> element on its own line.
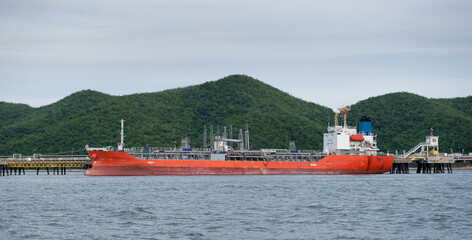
<point x="449" y="167"/>
<point x="402" y="168"/>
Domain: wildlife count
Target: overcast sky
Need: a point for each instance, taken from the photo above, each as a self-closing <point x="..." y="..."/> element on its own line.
<point x="333" y="53"/>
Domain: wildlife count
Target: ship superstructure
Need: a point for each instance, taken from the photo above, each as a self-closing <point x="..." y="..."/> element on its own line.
<point x="346" y="140"/>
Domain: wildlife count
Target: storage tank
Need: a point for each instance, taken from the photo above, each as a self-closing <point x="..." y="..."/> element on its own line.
<point x="365" y="125"/>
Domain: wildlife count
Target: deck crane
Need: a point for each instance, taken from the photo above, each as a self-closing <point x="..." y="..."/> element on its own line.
<point x="344" y="110"/>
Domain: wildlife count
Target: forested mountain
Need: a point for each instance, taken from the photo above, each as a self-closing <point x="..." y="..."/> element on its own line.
<point x="401" y="120"/>
<point x="160" y="118"/>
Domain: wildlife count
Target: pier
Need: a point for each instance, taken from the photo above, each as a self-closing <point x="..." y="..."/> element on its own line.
<point x="428" y="159"/>
<point x="426" y="164"/>
<point x="57" y="164"/>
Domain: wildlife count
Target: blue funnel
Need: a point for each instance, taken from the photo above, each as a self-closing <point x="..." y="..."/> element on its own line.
<point x="365" y="125"/>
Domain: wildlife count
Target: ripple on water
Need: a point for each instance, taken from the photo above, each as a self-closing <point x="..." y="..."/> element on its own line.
<point x="237" y="207"/>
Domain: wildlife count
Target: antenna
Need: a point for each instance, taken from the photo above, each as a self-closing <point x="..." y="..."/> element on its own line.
<point x="122" y="144"/>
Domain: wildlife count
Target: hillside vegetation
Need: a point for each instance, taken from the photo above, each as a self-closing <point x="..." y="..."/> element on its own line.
<point x="275" y="118"/>
<point x="160" y="118"/>
<point x="402" y="120"/>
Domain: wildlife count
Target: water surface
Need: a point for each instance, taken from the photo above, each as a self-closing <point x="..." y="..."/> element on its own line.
<point x="389" y="206"/>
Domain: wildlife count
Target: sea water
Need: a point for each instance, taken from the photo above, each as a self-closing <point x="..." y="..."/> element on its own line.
<point x="388" y="206"/>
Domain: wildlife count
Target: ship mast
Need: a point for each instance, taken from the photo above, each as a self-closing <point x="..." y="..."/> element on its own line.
<point x="122" y="144"/>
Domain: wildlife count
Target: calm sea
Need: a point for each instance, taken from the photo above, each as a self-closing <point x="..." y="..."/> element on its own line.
<point x="389" y="206"/>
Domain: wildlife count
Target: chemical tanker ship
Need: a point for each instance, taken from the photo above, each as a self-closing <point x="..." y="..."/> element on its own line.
<point x="345" y="151"/>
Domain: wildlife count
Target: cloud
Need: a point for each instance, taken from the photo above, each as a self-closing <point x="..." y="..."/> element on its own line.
<point x="295" y="45"/>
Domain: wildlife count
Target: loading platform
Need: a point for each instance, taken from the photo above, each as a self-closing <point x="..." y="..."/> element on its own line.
<point x="58" y="164"/>
<point x="428" y="159"/>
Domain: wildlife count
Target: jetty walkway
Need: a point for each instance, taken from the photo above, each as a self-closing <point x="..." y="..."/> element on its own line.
<point x="57" y="163"/>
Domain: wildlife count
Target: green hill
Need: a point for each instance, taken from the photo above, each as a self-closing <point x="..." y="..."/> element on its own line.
<point x="160" y="118"/>
<point x="401" y="120"/>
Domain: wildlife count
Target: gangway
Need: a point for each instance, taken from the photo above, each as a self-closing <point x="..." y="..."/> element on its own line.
<point x="414" y="149"/>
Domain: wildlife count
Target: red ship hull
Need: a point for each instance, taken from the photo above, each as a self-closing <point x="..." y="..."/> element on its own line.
<point x="115" y="163"/>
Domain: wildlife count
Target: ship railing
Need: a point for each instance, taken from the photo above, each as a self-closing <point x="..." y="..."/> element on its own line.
<point x="149" y="149"/>
<point x="238" y="156"/>
<point x="290" y="151"/>
<point x="309" y="151"/>
<point x="38" y="160"/>
<point x="171" y="155"/>
<point x="41" y="157"/>
<point x="361" y="153"/>
<point x="163" y="149"/>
